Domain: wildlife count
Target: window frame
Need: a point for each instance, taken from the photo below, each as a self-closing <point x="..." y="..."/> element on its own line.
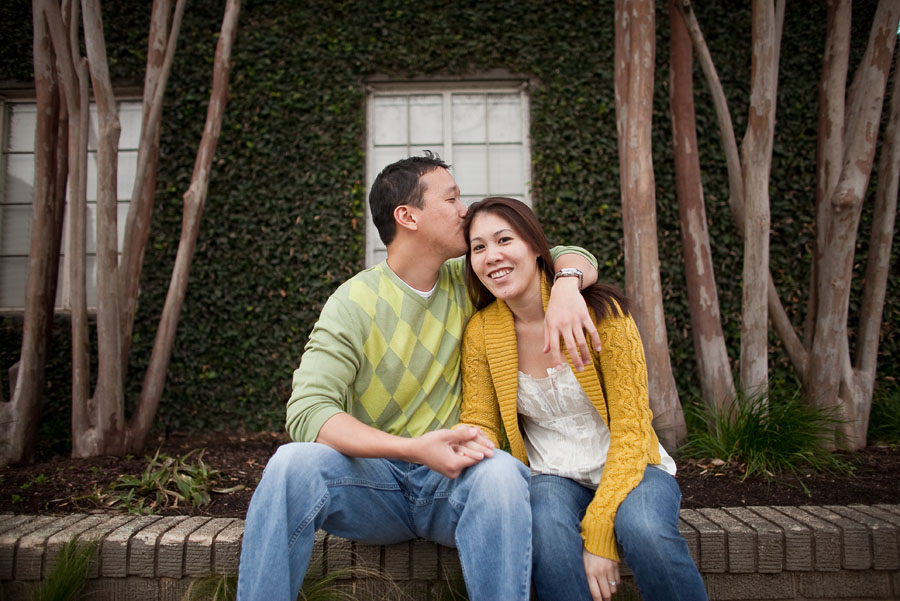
<point x="493" y="83"/>
<point x="26" y="96"/>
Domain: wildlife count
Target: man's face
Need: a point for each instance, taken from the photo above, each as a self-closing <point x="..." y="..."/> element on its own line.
<point x="442" y="214"/>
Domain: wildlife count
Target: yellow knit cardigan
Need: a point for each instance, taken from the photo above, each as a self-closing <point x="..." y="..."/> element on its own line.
<point x="490" y="387"/>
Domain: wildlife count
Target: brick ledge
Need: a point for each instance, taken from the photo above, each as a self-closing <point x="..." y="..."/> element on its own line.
<point x="744" y="553"/>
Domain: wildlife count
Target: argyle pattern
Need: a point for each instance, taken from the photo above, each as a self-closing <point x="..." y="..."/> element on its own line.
<point x="408" y="381"/>
<point x="399" y="353"/>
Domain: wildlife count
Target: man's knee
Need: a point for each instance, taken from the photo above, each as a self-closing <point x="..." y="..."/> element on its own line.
<point x="299" y="459"/>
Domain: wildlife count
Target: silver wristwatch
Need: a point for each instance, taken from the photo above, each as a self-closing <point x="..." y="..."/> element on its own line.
<point x="570" y="272"/>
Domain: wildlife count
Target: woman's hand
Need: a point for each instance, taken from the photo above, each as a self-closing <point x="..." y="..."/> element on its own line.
<point x="602" y="575"/>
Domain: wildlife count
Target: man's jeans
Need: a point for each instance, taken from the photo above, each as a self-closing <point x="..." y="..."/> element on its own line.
<point x="484" y="513"/>
<point x="646" y="528"/>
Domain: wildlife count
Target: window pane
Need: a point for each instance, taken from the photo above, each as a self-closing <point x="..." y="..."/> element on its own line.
<point x="130" y="120"/>
<point x="384" y="157"/>
<point x="127" y="170"/>
<point x="506" y="175"/>
<point x="15" y="229"/>
<point x="22" y="126"/>
<point x="504" y="117"/>
<point x="426" y="120"/>
<point x="468" y="118"/>
<point x="390" y="120"/>
<point x="470" y="169"/>
<point x="19" y="184"/>
<point x="13" y="273"/>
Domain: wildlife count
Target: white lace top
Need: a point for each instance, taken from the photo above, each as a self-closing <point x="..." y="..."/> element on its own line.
<point x="564" y="435"/>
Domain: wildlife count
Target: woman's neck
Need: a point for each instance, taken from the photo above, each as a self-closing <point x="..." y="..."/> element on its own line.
<point x="528" y="307"/>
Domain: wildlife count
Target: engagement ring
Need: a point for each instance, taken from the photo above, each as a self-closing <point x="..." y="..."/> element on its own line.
<point x="611" y="582"/>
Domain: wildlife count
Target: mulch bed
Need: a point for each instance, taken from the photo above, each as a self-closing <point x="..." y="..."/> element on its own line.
<point x="59" y="484"/>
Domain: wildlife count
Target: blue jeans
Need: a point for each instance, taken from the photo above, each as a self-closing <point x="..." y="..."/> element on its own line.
<point x="484" y="513"/>
<point x="646" y="528"/>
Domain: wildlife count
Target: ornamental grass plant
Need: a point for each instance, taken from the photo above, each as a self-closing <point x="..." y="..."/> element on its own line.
<point x="765" y="434"/>
<point x="67" y="579"/>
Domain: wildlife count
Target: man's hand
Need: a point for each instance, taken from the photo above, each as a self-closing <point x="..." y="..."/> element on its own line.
<point x="567" y="317"/>
<point x="602" y="575"/>
<point x="449" y="452"/>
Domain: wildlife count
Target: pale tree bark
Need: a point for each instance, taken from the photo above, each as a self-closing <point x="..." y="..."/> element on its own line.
<point x="879" y="261"/>
<point x="830" y="140"/>
<point x="106" y="409"/>
<point x="160" y="55"/>
<point x="777" y="313"/>
<point x="635" y="48"/>
<point x="713" y="365"/>
<point x="194" y="201"/>
<point x="19" y="417"/>
<point x="73" y="76"/>
<point x="831" y="381"/>
<point x="756" y="161"/>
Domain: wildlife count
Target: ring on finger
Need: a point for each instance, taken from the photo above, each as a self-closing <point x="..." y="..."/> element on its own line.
<point x="612" y="582"/>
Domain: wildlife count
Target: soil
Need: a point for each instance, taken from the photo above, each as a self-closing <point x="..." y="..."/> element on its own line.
<point x="62" y="484"/>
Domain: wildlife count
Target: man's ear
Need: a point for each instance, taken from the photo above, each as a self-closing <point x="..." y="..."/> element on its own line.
<point x="406" y="217"/>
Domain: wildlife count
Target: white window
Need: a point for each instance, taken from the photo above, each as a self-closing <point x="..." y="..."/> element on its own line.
<point x="481" y="130"/>
<point x="17" y="133"/>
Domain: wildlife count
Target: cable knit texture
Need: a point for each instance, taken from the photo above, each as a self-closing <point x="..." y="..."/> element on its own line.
<point x="490" y="388"/>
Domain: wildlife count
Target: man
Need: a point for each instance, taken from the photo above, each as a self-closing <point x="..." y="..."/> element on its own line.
<point x="377" y="387"/>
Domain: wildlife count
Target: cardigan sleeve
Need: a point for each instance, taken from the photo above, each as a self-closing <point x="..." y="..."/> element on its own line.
<point x="633" y="443"/>
<point x="479" y="403"/>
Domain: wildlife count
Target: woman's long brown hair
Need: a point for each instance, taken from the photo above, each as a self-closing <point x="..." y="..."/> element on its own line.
<point x="605" y="299"/>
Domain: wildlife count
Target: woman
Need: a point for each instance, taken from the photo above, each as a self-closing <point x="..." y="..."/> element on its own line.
<point x="599" y="474"/>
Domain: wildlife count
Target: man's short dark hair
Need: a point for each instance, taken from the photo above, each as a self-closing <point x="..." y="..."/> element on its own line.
<point x="400" y="184"/>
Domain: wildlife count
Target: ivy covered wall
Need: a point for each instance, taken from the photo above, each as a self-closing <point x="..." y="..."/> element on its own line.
<point x="284" y="219"/>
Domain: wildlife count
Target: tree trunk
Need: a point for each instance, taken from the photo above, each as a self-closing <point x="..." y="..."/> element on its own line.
<point x="19" y="417"/>
<point x="780" y="321"/>
<point x="635" y="54"/>
<point x="716" y="382"/>
<point x="160" y="54"/>
<point x="830" y="140"/>
<point x="756" y="162"/>
<point x="831" y="381"/>
<point x="108" y="406"/>
<point x="194" y="200"/>
<point x="877" y="267"/>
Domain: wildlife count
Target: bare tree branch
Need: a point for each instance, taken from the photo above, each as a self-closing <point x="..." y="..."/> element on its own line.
<point x="880" y="241"/>
<point x="194" y="200"/>
<point x="140" y="211"/>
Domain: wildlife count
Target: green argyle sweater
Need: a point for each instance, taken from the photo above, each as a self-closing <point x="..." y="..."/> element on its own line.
<point x="385" y="355"/>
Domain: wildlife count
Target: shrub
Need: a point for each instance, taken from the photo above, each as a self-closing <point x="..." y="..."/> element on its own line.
<point x="766" y="434"/>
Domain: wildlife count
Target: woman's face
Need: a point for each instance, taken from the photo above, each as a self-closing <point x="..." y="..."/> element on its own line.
<point x="502" y="260"/>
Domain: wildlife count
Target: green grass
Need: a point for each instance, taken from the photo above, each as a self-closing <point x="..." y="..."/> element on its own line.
<point x="165" y="482"/>
<point x="884" y="420"/>
<point x="765" y="435"/>
<point x="68" y="577"/>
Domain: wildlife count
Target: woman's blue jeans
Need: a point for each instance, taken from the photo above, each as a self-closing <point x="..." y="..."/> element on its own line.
<point x="484" y="513"/>
<point x="646" y="529"/>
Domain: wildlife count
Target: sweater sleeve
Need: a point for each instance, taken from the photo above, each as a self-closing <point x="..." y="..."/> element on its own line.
<point x="322" y="385"/>
<point x="633" y="443"/>
<point x="479" y="405"/>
